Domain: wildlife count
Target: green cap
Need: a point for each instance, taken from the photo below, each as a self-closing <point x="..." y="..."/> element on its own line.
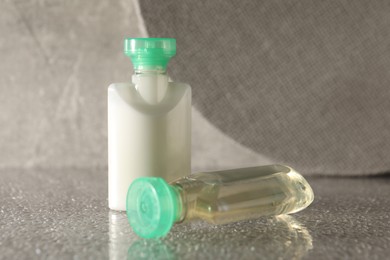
<point x="150" y="53"/>
<point x="152" y="207"/>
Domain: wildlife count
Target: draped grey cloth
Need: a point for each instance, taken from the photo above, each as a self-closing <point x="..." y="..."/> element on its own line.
<point x="306" y="83"/>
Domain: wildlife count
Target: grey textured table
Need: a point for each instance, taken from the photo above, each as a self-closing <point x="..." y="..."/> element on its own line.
<point x="63" y="214"/>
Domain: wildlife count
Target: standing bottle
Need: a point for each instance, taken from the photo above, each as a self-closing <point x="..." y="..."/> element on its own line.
<point x="221" y="197"/>
<point x="149" y="120"/>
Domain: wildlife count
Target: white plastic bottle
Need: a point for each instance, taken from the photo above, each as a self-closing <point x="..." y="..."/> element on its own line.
<point x="149" y="121"/>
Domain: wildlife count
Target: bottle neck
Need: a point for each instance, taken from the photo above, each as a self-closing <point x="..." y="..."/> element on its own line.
<point x="150" y="71"/>
<point x="181" y="203"/>
<point x="187" y="191"/>
<point x="151" y="85"/>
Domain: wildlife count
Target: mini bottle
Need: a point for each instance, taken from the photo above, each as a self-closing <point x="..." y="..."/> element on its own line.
<point x="149" y="120"/>
<point x="153" y="205"/>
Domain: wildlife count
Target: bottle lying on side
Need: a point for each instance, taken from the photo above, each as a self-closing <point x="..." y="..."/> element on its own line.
<point x="220" y="197"/>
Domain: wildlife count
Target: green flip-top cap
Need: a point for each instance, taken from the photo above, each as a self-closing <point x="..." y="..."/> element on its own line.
<point x="152" y="207"/>
<point x="150" y="53"/>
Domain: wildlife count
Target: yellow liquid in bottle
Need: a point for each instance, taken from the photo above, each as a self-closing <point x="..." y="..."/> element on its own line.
<point x="232" y="195"/>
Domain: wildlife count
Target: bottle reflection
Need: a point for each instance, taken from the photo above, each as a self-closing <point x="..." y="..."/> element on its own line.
<point x="150" y="249"/>
<point x="292" y="237"/>
<point x="278" y="237"/>
<point x="120" y="235"/>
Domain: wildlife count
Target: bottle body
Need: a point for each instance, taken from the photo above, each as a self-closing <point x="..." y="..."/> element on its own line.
<point x="233" y="195"/>
<point x="149" y="132"/>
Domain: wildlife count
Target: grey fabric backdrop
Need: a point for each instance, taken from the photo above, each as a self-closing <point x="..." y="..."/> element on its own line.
<point x="57" y="60"/>
<point x="306" y="83"/>
<point x="299" y="83"/>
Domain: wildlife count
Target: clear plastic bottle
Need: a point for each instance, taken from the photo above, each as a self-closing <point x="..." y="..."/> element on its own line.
<point x="149" y="120"/>
<point x="216" y="197"/>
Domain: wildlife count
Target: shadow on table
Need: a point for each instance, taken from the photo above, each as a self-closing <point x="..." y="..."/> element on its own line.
<point x="278" y="237"/>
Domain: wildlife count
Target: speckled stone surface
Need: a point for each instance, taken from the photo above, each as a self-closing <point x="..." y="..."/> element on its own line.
<point x="63" y="214"/>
